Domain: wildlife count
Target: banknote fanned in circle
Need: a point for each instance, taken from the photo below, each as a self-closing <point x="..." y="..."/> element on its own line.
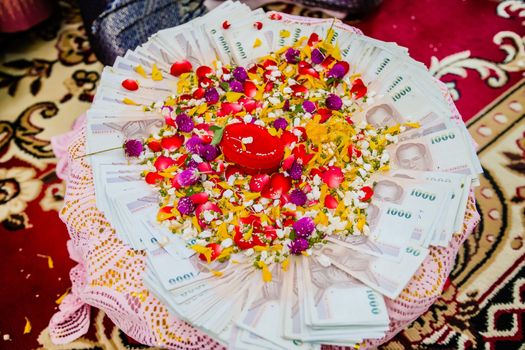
<point x="295" y="172"/>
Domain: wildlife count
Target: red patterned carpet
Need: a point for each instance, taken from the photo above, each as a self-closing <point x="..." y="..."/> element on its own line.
<point x="48" y="76"/>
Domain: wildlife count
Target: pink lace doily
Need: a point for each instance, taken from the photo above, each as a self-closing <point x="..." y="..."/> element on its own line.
<point x="109" y="274"/>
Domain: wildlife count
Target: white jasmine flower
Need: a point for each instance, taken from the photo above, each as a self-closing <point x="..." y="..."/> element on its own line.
<point x="227" y="243"/>
<point x="247" y="140"/>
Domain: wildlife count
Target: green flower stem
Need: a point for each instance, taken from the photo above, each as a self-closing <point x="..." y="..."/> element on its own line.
<point x="104" y="150"/>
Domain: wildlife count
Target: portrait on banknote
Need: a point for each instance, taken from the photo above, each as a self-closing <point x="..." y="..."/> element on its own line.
<point x="414" y="156"/>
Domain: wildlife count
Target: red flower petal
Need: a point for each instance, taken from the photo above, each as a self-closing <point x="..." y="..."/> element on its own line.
<point x="229" y="108"/>
<point x="268" y="87"/>
<point x="269" y="63"/>
<point x="279" y="184"/>
<point x="175" y="182"/>
<point x="258" y="182"/>
<point x="304" y="68"/>
<point x="325" y="114"/>
<point x="172" y="143"/>
<point x="163" y="162"/>
<point x="358" y="88"/>
<point x="270" y="232"/>
<point x="199" y="198"/>
<point x="318" y="171"/>
<point x="249" y="104"/>
<point x="205" y="82"/>
<point x="287" y="163"/>
<point x="203" y="72"/>
<point x="250" y="89"/>
<point x="299" y="90"/>
<point x="153" y="177"/>
<point x="199" y="93"/>
<point x="204" y="132"/>
<point x="353" y="151"/>
<point x="288" y="137"/>
<point x="204" y="167"/>
<point x="216" y="250"/>
<point x="180" y="67"/>
<point x="313" y="39"/>
<point x="327" y="62"/>
<point x="232" y="170"/>
<point x="130" y="84"/>
<point x="206" y="207"/>
<point x="333" y="177"/>
<point x="368" y="193"/>
<point x="303" y="133"/>
<point x="300" y="153"/>
<point x="345" y="65"/>
<point x="330" y="202"/>
<point x="181" y="160"/>
<point x="154" y="145"/>
<point x="238" y="238"/>
<point x="170" y="121"/>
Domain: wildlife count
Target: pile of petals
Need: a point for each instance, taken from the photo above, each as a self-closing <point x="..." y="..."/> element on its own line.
<point x="266" y="160"/>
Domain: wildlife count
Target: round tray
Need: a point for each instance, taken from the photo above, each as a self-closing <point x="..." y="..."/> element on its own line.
<point x="109" y="274"/>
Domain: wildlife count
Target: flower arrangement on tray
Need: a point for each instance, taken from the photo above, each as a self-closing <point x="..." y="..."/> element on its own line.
<point x="278" y="168"/>
<point x="267" y="160"/>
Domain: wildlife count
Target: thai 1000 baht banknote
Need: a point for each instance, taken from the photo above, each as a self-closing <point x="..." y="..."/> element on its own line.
<point x="334" y="298"/>
<point x="376" y="272"/>
<point x="391" y="228"/>
<point x="426" y="199"/>
<point x="444" y="151"/>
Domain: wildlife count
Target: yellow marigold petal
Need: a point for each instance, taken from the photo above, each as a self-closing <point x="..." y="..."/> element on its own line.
<point x="161" y="216"/>
<point x="414" y="125"/>
<point x="27" y="327"/>
<point x="217" y="273"/>
<point x="166" y="174"/>
<point x="61" y="298"/>
<point x="393" y="129"/>
<point x="202" y="108"/>
<point x="248" y="196"/>
<point x="266" y="274"/>
<point x="248" y="235"/>
<point x="321" y="218"/>
<point x="49" y="260"/>
<point x="225" y="185"/>
<point x="361" y="220"/>
<point x="257" y="43"/>
<point x="285" y="264"/>
<point x="336" y="53"/>
<point x="233" y="96"/>
<point x="169" y="101"/>
<point x="203" y="250"/>
<point x="277" y="247"/>
<point x="225" y="253"/>
<point x="260" y="248"/>
<point x="196" y="223"/>
<point x="156" y="74"/>
<point x="129" y="101"/>
<point x="140" y="70"/>
<point x="284" y="33"/>
<point x="222" y="231"/>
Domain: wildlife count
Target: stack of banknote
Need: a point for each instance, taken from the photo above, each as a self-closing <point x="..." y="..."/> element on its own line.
<point x="337" y="295"/>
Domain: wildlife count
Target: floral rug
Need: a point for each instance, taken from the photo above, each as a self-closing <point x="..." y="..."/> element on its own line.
<point x="48" y="77"/>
